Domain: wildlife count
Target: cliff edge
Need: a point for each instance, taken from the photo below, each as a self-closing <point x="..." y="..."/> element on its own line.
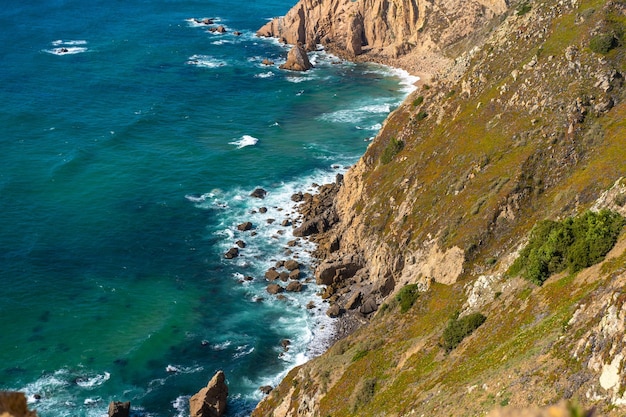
<point x="525" y="122"/>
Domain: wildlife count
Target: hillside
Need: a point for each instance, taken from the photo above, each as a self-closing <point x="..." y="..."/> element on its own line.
<point x="522" y="118"/>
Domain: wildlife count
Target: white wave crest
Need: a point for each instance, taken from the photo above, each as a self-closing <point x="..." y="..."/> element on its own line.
<point x="356" y="114"/>
<point x="205" y="61"/>
<point x="245" y="140"/>
<point x="265" y="75"/>
<point x="92" y="382"/>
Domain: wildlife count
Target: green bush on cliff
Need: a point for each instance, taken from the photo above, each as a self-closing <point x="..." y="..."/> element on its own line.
<point x="407" y="296"/>
<point x="459" y="329"/>
<point x="603" y="43"/>
<point x="392" y="149"/>
<point x="574" y="244"/>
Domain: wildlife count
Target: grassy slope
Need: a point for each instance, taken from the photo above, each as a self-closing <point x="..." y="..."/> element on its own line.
<point x="496" y="153"/>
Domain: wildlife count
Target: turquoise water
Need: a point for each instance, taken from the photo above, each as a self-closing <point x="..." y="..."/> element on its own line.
<point x="130" y="140"/>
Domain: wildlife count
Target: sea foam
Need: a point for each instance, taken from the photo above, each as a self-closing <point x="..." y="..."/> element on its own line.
<point x="245" y="140"/>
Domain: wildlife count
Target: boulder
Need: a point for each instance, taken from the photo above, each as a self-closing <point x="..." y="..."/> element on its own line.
<point x="369" y="306"/>
<point x="297" y="60"/>
<point x="258" y="193"/>
<point x="297" y="197"/>
<point x="284" y="276"/>
<point x="245" y="226"/>
<point x="295" y="274"/>
<point x="232" y="253"/>
<point x="354" y="301"/>
<point x="119" y="409"/>
<point x="285" y="343"/>
<point x="271" y="274"/>
<point x="286" y="223"/>
<point x="210" y="401"/>
<point x="334" y="311"/>
<point x="294" y="286"/>
<point x="13" y="404"/>
<point x="274" y="289"/>
<point x="266" y="389"/>
<point x="337" y="270"/>
<point x="263" y="210"/>
<point x="237" y="33"/>
<point x="292" y="265"/>
<point x="241" y="243"/>
<point x="267" y="62"/>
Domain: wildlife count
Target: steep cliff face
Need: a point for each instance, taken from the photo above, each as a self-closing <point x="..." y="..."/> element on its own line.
<point x="384" y="30"/>
<point x="527" y="123"/>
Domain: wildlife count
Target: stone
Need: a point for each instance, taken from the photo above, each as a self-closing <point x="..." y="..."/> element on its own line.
<point x="258" y="193"/>
<point x="237" y="33"/>
<point x="284" y="276"/>
<point x="241" y="243"/>
<point x="333" y="311"/>
<point x="297" y="60"/>
<point x="286" y="223"/>
<point x="271" y="274"/>
<point x="267" y="62"/>
<point x="294" y="286"/>
<point x="274" y="289"/>
<point x="295" y="274"/>
<point x="354" y="42"/>
<point x="266" y="389"/>
<point x="263" y="210"/>
<point x="285" y="343"/>
<point x="292" y="265"/>
<point x="210" y="401"/>
<point x="232" y="253"/>
<point x="354" y="301"/>
<point x="244" y="227"/>
<point x="119" y="409"/>
<point x="297" y="197"/>
<point x="335" y="270"/>
<point x="369" y="306"/>
<point x="13" y="403"/>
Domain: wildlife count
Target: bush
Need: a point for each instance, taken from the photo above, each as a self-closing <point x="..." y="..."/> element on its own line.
<point x="523" y="8"/>
<point x="365" y="393"/>
<point x="459" y="329"/>
<point x="418" y="101"/>
<point x="392" y="149"/>
<point x="421" y="116"/>
<point x="574" y="243"/>
<point x="407" y="296"/>
<point x="603" y="43"/>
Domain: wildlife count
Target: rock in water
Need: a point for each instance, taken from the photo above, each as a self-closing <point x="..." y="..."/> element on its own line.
<point x="210" y="401"/>
<point x="297" y="60"/>
<point x="119" y="409"/>
<point x="13" y="404"/>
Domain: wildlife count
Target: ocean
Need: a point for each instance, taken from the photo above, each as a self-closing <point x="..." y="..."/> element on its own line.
<point x="131" y="138"/>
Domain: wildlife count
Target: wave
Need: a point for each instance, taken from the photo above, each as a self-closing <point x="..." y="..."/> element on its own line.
<point x="357" y="114"/>
<point x="91" y="382"/>
<point x="264" y="75"/>
<point x="245" y="140"/>
<point x="60" y="42"/>
<point x="70" y="47"/>
<point x="205" y="61"/>
<point x="203" y="21"/>
<point x="181" y="405"/>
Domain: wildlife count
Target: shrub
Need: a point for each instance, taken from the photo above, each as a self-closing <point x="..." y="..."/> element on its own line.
<point x="407" y="296"/>
<point x="459" y="329"/>
<point x="523" y="8"/>
<point x="574" y="243"/>
<point x="603" y="43"/>
<point x="365" y="393"/>
<point x="421" y="116"/>
<point x="360" y="354"/>
<point x="418" y="101"/>
<point x="392" y="149"/>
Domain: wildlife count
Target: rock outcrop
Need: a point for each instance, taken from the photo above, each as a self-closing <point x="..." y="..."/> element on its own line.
<point x="13" y="404"/>
<point x="210" y="401"/>
<point x="119" y="409"/>
<point x="383" y="29"/>
<point x="297" y="60"/>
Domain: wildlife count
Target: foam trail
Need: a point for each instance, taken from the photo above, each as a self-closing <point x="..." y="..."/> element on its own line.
<point x="245" y="140"/>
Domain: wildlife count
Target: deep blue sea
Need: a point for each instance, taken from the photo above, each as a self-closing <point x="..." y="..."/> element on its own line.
<point x="131" y="138"/>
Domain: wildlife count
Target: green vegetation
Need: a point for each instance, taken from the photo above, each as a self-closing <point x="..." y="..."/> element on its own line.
<point x="365" y="393"/>
<point x="359" y="354"/>
<point x="418" y="101"/>
<point x="573" y="244"/>
<point x="421" y="116"/>
<point x="407" y="296"/>
<point x="392" y="149"/>
<point x="523" y="8"/>
<point x="603" y="43"/>
<point x="459" y="329"/>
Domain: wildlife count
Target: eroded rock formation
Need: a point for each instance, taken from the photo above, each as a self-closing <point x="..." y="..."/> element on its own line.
<point x="210" y="401"/>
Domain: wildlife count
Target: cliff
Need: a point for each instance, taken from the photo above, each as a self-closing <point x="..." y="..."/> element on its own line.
<point x="525" y="121"/>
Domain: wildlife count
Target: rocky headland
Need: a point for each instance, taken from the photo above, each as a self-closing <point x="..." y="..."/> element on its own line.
<point x="519" y="118"/>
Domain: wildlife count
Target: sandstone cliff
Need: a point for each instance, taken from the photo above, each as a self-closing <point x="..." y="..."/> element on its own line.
<point x="526" y="123"/>
<point x="402" y="32"/>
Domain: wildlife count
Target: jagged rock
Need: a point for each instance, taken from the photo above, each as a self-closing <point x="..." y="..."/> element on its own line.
<point x="297" y="197"/>
<point x="369" y="306"/>
<point x="274" y="289"/>
<point x="267" y="62"/>
<point x="294" y="286"/>
<point x="241" y="243"/>
<point x="336" y="270"/>
<point x="271" y="274"/>
<point x="295" y="274"/>
<point x="232" y="253"/>
<point x="266" y="389"/>
<point x="210" y="401"/>
<point x="13" y="404"/>
<point x="258" y="193"/>
<point x="263" y="210"/>
<point x="354" y="301"/>
<point x="244" y="227"/>
<point x="119" y="409"/>
<point x="285" y="343"/>
<point x="354" y="42"/>
<point x="292" y="265"/>
<point x="286" y="223"/>
<point x="297" y="60"/>
<point x="333" y="311"/>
